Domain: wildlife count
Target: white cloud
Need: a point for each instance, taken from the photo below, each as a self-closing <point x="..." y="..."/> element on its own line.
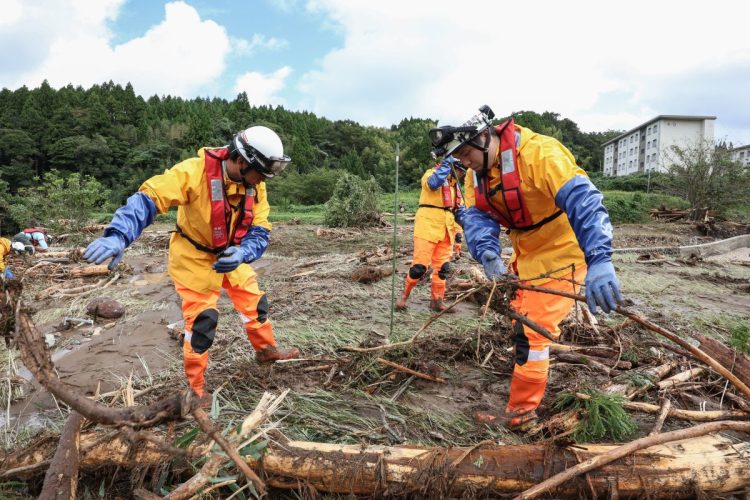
<point x="68" y="41"/>
<point x="263" y="88"/>
<point x="258" y="42"/>
<point x="12" y="11"/>
<point x="443" y="61"/>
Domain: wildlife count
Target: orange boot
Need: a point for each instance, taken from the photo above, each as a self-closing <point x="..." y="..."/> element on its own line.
<point x="436" y="297"/>
<point x="525" y="396"/>
<point x="195" y="368"/>
<point x="408" y="287"/>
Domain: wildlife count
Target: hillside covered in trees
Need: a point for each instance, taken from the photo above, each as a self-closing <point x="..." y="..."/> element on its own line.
<point x="118" y="138"/>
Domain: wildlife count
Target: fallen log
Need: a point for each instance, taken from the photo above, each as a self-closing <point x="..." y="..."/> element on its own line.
<point x="711" y="464"/>
<point x="648" y="442"/>
<point x="83" y="271"/>
<point x="61" y="480"/>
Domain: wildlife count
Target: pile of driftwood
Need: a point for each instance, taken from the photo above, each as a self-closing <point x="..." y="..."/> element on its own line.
<point x="692" y="461"/>
<point x="674" y="214"/>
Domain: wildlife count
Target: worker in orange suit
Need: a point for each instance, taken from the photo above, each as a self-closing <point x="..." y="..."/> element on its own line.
<point x="530" y="185"/>
<point x="435" y="230"/>
<point x="222" y="226"/>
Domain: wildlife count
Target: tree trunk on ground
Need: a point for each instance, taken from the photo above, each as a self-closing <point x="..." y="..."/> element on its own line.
<point x="80" y="272"/>
<point x="710" y="464"/>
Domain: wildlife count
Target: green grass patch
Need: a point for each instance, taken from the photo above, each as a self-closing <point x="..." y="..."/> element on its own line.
<point x="633" y="207"/>
<point x="739" y="337"/>
<point x="603" y="416"/>
<point x="307" y="214"/>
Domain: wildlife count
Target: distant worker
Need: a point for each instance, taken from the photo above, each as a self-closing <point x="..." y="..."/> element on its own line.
<point x="5" y="247"/>
<point x="530" y="184"/>
<point x="435" y="231"/>
<point x="34" y="236"/>
<point x="222" y="226"/>
<point x="457" y="245"/>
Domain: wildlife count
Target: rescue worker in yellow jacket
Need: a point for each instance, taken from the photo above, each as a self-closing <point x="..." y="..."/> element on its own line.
<point x="530" y="184"/>
<point x="435" y="231"/>
<point x="222" y="226"/>
<point x="5" y="247"/>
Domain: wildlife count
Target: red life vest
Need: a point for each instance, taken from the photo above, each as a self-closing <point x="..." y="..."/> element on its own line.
<point x="222" y="234"/>
<point x="509" y="187"/>
<point x="448" y="202"/>
<point x="32" y="230"/>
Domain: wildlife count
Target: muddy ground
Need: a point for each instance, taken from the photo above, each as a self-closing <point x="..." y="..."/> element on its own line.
<point x="346" y="397"/>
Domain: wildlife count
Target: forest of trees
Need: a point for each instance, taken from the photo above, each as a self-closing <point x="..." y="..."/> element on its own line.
<point x="119" y="138"/>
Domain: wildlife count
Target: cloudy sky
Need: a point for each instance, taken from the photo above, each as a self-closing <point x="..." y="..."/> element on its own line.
<point x="602" y="64"/>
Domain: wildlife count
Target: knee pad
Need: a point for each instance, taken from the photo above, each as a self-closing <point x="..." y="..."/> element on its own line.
<point x="445" y="269"/>
<point x="417" y="271"/>
<point x="262" y="309"/>
<point x="521" y="343"/>
<point x="459" y="238"/>
<point x="204" y="330"/>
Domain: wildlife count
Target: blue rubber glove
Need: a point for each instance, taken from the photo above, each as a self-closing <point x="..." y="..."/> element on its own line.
<point x="254" y="243"/>
<point x="482" y="233"/>
<point x="493" y="265"/>
<point x="229" y="260"/>
<point x="105" y="247"/>
<point x="582" y="202"/>
<point x="441" y="173"/>
<point x="8" y="274"/>
<point x="602" y="287"/>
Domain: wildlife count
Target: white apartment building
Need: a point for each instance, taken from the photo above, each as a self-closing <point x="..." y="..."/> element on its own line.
<point x="642" y="148"/>
<point x="740" y="154"/>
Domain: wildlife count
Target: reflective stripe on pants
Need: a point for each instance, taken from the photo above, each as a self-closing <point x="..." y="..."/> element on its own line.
<point x="246" y="298"/>
<point x="532" y="349"/>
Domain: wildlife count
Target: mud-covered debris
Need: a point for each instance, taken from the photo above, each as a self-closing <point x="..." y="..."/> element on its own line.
<point x="369" y="274"/>
<point x="105" y="308"/>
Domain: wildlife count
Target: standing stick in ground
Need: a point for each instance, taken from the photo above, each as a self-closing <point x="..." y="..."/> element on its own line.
<point x="697" y="353"/>
<point x="627" y="449"/>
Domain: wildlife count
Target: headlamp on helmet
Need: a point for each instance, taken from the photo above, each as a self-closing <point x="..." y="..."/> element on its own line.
<point x="446" y="139"/>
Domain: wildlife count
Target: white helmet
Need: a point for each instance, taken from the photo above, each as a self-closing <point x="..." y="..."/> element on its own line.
<point x="262" y="150"/>
<point x="19" y="247"/>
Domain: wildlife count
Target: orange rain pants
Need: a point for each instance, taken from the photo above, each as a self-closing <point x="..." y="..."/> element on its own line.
<point x="426" y="253"/>
<point x="532" y="349"/>
<point x="248" y="300"/>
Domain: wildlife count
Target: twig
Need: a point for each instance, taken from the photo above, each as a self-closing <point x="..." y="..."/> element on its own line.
<point x="666" y="404"/>
<point x="205" y="424"/>
<point x="427" y="323"/>
<point x="414" y="373"/>
<point x="697" y="353"/>
<point x="627" y="449"/>
<point x="403" y="388"/>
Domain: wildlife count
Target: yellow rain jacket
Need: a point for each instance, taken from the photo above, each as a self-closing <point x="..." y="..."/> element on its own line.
<point x="544" y="167"/>
<point x="184" y="186"/>
<point x="4" y="251"/>
<point x="432" y="221"/>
